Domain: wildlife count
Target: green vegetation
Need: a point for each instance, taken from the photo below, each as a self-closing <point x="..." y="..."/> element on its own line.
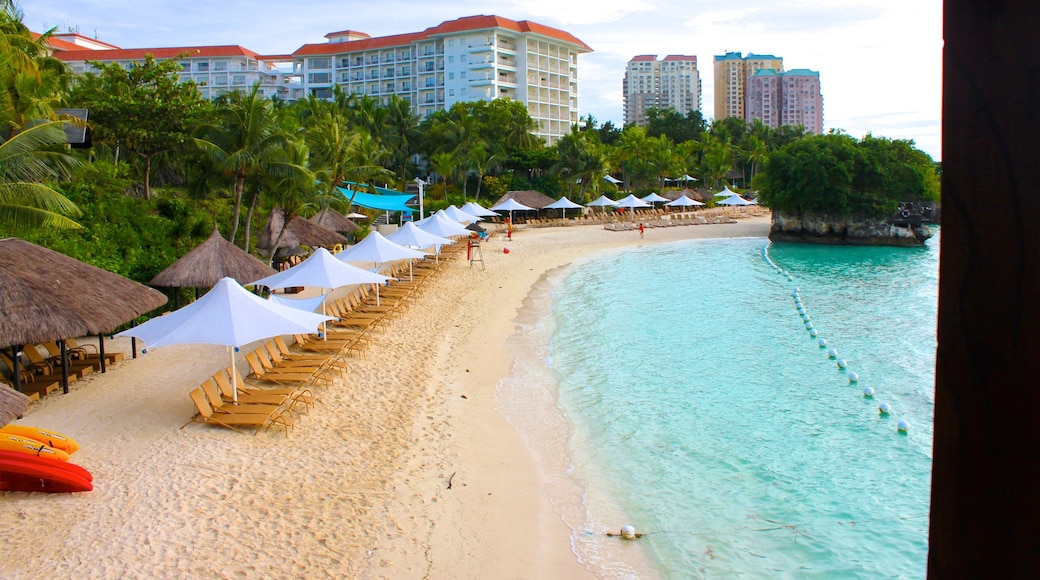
<point x="166" y="166"/>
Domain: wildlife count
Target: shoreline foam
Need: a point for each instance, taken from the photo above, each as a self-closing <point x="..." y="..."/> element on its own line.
<point x="360" y="489"/>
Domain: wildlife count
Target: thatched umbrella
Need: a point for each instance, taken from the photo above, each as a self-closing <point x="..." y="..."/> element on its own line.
<point x="12" y="405"/>
<point x="47" y="296"/>
<point x="299" y="232"/>
<point x="331" y="219"/>
<point x="210" y="261"/>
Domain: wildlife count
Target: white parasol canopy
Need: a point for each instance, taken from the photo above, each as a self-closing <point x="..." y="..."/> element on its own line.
<point x="602" y="201"/>
<point x="511" y="205"/>
<point x="227" y="315"/>
<point x="439" y="224"/>
<point x="735" y="200"/>
<point x="563" y="203"/>
<point x="653" y="198"/>
<point x="632" y="202"/>
<point x="321" y="269"/>
<point x="478" y="210"/>
<point x="461" y="216"/>
<point x="726" y="192"/>
<point x="306" y="304"/>
<point x="377" y="249"/>
<point x="412" y="236"/>
<point x="683" y="201"/>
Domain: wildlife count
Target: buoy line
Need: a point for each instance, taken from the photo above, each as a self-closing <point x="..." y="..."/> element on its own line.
<point x="884" y="408"/>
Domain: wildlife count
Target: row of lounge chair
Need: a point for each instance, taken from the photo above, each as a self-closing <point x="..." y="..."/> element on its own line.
<point x="282" y="375"/>
<point x="659" y="223"/>
<point x="42" y="374"/>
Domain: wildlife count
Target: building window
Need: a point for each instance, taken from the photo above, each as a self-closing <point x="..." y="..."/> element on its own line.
<point x="451" y="59"/>
<point x="451" y="92"/>
<point x="462" y="75"/>
<point x="202" y="66"/>
<point x="451" y="76"/>
<point x="186" y="66"/>
<point x="319" y="78"/>
<point x="220" y="80"/>
<point x="220" y="65"/>
<point x="238" y="80"/>
<point x="389" y="87"/>
<point x="319" y="63"/>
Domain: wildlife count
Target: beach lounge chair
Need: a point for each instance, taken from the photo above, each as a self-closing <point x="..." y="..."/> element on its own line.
<point x="329" y="362"/>
<point x="32" y="383"/>
<point x="53" y="365"/>
<point x="233" y="419"/>
<point x="258" y="395"/>
<point x="216" y="400"/>
<point x="261" y="373"/>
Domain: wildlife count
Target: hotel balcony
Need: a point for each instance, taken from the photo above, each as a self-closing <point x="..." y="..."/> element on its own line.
<point x="481" y="81"/>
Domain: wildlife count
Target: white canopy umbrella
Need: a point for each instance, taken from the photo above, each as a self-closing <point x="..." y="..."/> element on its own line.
<point x="683" y="201"/>
<point x="563" y="204"/>
<point x="612" y="179"/>
<point x="306" y="304"/>
<point x="227" y="315"/>
<point x="735" y="200"/>
<point x="602" y="201"/>
<point x="632" y="202"/>
<point x="412" y="236"/>
<point x="477" y="210"/>
<point x="461" y="216"/>
<point x="321" y="269"/>
<point x="726" y="192"/>
<point x="439" y="224"/>
<point x="379" y="250"/>
<point x="511" y="205"/>
<point x="653" y="198"/>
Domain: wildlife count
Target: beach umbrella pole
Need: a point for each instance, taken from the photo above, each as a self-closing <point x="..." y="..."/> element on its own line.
<point x="234" y="376"/>
<point x="65" y="366"/>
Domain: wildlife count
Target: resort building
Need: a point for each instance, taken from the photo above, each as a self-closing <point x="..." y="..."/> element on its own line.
<point x="215" y="69"/>
<point x="469" y="59"/>
<point x="671" y="83"/>
<point x="731" y="74"/>
<point x="785" y="98"/>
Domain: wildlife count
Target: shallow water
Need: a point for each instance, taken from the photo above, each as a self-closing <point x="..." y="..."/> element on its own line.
<point x="676" y="388"/>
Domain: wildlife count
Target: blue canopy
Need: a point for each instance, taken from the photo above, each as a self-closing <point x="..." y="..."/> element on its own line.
<point x="380" y="202"/>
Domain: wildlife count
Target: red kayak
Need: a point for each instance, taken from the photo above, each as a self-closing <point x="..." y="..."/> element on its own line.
<point x="22" y="472"/>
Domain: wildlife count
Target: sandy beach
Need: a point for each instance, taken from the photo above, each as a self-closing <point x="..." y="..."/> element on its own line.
<point x="405" y="468"/>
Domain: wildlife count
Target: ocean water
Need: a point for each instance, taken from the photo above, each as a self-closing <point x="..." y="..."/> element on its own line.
<point x="677" y="389"/>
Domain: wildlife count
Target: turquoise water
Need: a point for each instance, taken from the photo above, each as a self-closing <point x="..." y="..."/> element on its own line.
<point x="681" y="393"/>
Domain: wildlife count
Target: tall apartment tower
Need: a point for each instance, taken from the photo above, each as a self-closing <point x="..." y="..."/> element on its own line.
<point x="731" y="73"/>
<point x="788" y="98"/>
<point x="472" y="58"/>
<point x="671" y="83"/>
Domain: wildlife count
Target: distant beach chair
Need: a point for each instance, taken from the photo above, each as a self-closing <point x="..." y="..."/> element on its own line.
<point x="294" y="394"/>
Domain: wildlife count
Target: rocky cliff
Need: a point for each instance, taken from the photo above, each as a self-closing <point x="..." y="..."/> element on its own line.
<point x="858" y="231"/>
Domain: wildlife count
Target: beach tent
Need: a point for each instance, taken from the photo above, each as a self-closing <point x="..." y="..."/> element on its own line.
<point x="683" y="201"/>
<point x="735" y="200"/>
<point x="477" y="210"/>
<point x="563" y="204"/>
<point x="379" y="250"/>
<point x="602" y="201"/>
<point x="460" y="216"/>
<point x="228" y="315"/>
<point x="632" y="202"/>
<point x="306" y="304"/>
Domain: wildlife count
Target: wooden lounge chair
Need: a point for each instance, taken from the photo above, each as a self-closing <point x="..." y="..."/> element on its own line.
<point x="216" y="400"/>
<point x="39" y="384"/>
<point x="86" y="352"/>
<point x="261" y="373"/>
<point x="329" y="362"/>
<point x="232" y="419"/>
<point x="53" y="366"/>
<point x="258" y="395"/>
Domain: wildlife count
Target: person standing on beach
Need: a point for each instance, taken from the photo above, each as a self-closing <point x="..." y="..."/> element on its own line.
<point x="642" y="229"/>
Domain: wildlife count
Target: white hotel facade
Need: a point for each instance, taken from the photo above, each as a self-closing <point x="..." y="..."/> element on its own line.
<point x="469" y="59"/>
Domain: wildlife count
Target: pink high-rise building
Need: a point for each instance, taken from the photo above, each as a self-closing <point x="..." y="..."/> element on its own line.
<point x="785" y="98"/>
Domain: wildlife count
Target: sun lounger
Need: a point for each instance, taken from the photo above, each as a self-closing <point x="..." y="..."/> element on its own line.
<point x="232" y="419"/>
<point x="52" y="366"/>
<point x="261" y="373"/>
<point x="259" y="395"/>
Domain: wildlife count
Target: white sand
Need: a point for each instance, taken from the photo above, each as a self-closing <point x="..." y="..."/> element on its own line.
<point x="359" y="489"/>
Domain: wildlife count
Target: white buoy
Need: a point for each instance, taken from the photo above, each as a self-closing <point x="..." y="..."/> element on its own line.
<point x="841" y="363"/>
<point x="812" y="332"/>
<point x="628" y="532"/>
<point x="884" y="408"/>
<point x="832" y="353"/>
<point x="853" y="377"/>
<point x="868" y="392"/>
<point x="903" y="426"/>
<point x="822" y="342"/>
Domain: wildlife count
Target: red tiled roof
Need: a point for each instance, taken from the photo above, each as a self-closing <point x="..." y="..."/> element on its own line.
<point x="347" y="33"/>
<point x="171" y="52"/>
<point x="680" y="57"/>
<point x="58" y="42"/>
<point x="448" y="27"/>
<point x="644" y="58"/>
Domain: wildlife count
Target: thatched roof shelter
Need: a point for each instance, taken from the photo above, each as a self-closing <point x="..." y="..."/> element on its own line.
<point x="12" y="405"/>
<point x="331" y="219"/>
<point x="210" y="261"/>
<point x="530" y="198"/>
<point x="674" y="194"/>
<point x="299" y="232"/>
<point x="48" y="296"/>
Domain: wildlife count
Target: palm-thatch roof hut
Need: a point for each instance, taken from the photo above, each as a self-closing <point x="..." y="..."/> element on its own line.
<point x="530" y="198"/>
<point x="331" y="219"/>
<point x="12" y="405"/>
<point x="674" y="194"/>
<point x="299" y="232"/>
<point x="210" y="261"/>
<point x="47" y="296"/>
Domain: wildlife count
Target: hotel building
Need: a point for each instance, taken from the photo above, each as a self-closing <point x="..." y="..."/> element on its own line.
<point x="788" y="98"/>
<point x="469" y="59"/>
<point x="671" y="83"/>
<point x="731" y="73"/>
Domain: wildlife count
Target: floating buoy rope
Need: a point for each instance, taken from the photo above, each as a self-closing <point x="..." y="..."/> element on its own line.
<point x="884" y="409"/>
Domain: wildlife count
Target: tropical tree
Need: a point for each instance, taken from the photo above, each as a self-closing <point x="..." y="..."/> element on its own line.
<point x="293" y="191"/>
<point x="716" y="161"/>
<point x="144" y="109"/>
<point x="444" y="164"/>
<point x="582" y="161"/>
<point x="32" y="82"/>
<point x="27" y="160"/>
<point x="243" y="143"/>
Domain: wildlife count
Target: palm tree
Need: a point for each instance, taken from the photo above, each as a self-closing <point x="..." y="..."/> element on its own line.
<point x="25" y="162"/>
<point x="31" y="81"/>
<point x="444" y="164"/>
<point x="294" y="192"/>
<point x="243" y="143"/>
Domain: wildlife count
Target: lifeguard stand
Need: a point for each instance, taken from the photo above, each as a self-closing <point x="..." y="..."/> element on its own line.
<point x="474" y="252"/>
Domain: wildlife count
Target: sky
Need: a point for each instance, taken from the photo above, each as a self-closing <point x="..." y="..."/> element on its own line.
<point x="880" y="61"/>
